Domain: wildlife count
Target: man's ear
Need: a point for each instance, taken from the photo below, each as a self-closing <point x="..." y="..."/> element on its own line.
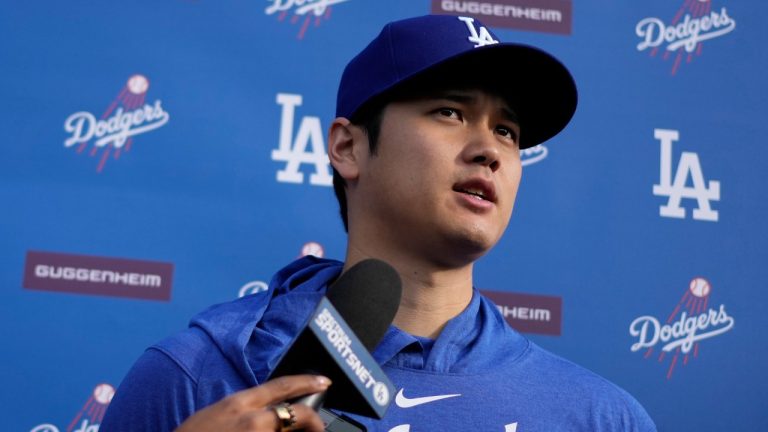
<point x="342" y="139"/>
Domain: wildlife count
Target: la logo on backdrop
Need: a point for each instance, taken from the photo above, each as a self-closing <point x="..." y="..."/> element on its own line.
<point x="303" y="11"/>
<point x="88" y="419"/>
<point x="306" y="147"/>
<point x="692" y="321"/>
<point x="682" y="37"/>
<point x="111" y="134"/>
<point x="676" y="188"/>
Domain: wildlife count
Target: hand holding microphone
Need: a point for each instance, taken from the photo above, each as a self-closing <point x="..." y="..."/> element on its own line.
<point x="256" y="409"/>
<point x="348" y="323"/>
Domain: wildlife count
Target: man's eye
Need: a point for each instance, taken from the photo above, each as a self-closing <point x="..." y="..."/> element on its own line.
<point x="449" y="112"/>
<point x="506" y="132"/>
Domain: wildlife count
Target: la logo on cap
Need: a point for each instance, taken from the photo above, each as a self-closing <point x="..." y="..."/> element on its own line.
<point x="479" y="39"/>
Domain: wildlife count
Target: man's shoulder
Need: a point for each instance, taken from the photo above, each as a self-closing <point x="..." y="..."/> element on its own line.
<point x="586" y="389"/>
<point x="558" y="371"/>
<point x="188" y="349"/>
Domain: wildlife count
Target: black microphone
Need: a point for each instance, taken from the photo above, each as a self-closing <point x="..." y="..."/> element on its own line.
<point x="346" y="325"/>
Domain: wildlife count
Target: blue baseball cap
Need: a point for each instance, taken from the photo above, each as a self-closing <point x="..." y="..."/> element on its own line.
<point x="535" y="84"/>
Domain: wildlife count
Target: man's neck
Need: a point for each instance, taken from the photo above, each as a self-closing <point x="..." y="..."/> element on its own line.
<point x="432" y="294"/>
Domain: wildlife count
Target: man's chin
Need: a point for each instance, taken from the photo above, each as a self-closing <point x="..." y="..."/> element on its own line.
<point x="467" y="248"/>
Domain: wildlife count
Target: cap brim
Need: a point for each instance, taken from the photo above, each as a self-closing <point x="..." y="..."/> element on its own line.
<point x="537" y="86"/>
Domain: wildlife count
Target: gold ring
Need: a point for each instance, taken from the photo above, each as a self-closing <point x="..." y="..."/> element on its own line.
<point x="285" y="416"/>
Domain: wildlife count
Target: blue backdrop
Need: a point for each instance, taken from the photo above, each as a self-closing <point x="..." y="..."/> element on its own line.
<point x="189" y="135"/>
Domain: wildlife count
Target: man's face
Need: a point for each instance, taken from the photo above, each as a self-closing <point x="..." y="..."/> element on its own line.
<point x="443" y="181"/>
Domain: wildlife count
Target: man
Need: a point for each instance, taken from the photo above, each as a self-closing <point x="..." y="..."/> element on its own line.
<point x="431" y="117"/>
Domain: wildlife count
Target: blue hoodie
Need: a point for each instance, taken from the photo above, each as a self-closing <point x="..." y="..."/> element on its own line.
<point x="479" y="374"/>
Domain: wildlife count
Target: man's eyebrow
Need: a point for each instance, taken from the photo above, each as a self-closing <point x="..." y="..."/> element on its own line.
<point x="468" y="98"/>
<point x="455" y="96"/>
<point x="510" y="115"/>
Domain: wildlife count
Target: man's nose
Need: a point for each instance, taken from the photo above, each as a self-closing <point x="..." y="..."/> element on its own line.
<point x="483" y="150"/>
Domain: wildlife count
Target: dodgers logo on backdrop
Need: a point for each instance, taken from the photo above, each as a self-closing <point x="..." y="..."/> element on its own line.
<point x="253" y="287"/>
<point x="89" y="418"/>
<point x="307" y="147"/>
<point x="694" y="23"/>
<point x="312" y="248"/>
<point x="304" y="11"/>
<point x="692" y="321"/>
<point x="111" y="134"/>
<point x="688" y="167"/>
<point x="533" y="154"/>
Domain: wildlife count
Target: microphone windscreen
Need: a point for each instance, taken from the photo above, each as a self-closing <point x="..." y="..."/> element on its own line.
<point x="367" y="296"/>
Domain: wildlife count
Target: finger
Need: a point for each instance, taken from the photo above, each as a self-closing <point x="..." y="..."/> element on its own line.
<point x="285" y="387"/>
<point x="306" y="419"/>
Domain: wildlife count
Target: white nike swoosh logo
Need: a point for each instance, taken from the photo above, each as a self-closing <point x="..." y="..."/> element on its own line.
<point x="404" y="402"/>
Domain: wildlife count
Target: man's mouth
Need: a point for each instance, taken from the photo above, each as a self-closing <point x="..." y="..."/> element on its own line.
<point x="477" y="193"/>
<point x="478" y="189"/>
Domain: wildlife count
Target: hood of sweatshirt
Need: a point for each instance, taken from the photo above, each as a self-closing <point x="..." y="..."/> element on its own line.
<point x="254" y="331"/>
